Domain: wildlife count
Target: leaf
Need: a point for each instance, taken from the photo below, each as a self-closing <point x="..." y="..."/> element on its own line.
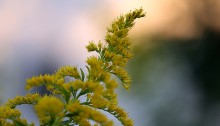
<point x="82" y="75"/>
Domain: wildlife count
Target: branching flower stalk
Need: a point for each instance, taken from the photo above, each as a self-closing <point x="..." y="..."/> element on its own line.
<point x="84" y="99"/>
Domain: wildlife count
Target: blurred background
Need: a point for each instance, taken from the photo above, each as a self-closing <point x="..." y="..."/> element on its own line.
<point x="175" y="71"/>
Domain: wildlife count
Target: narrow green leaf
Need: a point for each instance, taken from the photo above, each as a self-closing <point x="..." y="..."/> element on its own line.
<point x="82" y="75"/>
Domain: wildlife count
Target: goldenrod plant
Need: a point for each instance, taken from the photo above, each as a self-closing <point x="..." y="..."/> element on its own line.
<point x="83" y="100"/>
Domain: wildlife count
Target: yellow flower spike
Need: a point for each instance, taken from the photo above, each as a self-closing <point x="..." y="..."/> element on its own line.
<point x="93" y="87"/>
<point x="127" y="54"/>
<point x="99" y="102"/>
<point x="120" y="114"/>
<point x="34" y="81"/>
<point x="96" y="116"/>
<point x="18" y="100"/>
<point x="111" y="96"/>
<point x="49" y="78"/>
<point x="66" y="86"/>
<point x="118" y="60"/>
<point x="74" y="107"/>
<point x="126" y="122"/>
<point x="76" y="85"/>
<point x="92" y="47"/>
<point x="107" y="77"/>
<point x="100" y="46"/>
<point x="49" y="105"/>
<point x="111" y="84"/>
<point x="67" y="71"/>
<point x="123" y="76"/>
<point x="87" y="113"/>
<point x="11" y="117"/>
<point x="6" y="112"/>
<point x="40" y="80"/>
<point x="94" y="63"/>
<point x="60" y="82"/>
<point x="108" y="55"/>
<point x="79" y="100"/>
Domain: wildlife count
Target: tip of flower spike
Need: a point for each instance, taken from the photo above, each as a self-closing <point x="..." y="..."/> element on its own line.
<point x="126" y="85"/>
<point x="92" y="47"/>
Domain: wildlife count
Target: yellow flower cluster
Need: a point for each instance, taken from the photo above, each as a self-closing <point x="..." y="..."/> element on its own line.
<point x="18" y="100"/>
<point x="115" y="54"/>
<point x="83" y="113"/>
<point x="48" y="108"/>
<point x="68" y="71"/>
<point x="39" y="80"/>
<point x="7" y="113"/>
<point x="83" y="99"/>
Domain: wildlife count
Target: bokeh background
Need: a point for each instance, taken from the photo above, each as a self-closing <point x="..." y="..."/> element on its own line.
<point x="176" y="68"/>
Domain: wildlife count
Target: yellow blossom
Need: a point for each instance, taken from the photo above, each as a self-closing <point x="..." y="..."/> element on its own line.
<point x="18" y="100"/>
<point x="123" y="76"/>
<point x="92" y="47"/>
<point x="99" y="102"/>
<point x="76" y="85"/>
<point x="7" y="112"/>
<point x="67" y="71"/>
<point x="40" y="80"/>
<point x="88" y="113"/>
<point x="49" y="105"/>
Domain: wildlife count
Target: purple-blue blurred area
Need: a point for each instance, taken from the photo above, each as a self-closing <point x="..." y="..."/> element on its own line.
<point x="175" y="70"/>
<point x="39" y="36"/>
